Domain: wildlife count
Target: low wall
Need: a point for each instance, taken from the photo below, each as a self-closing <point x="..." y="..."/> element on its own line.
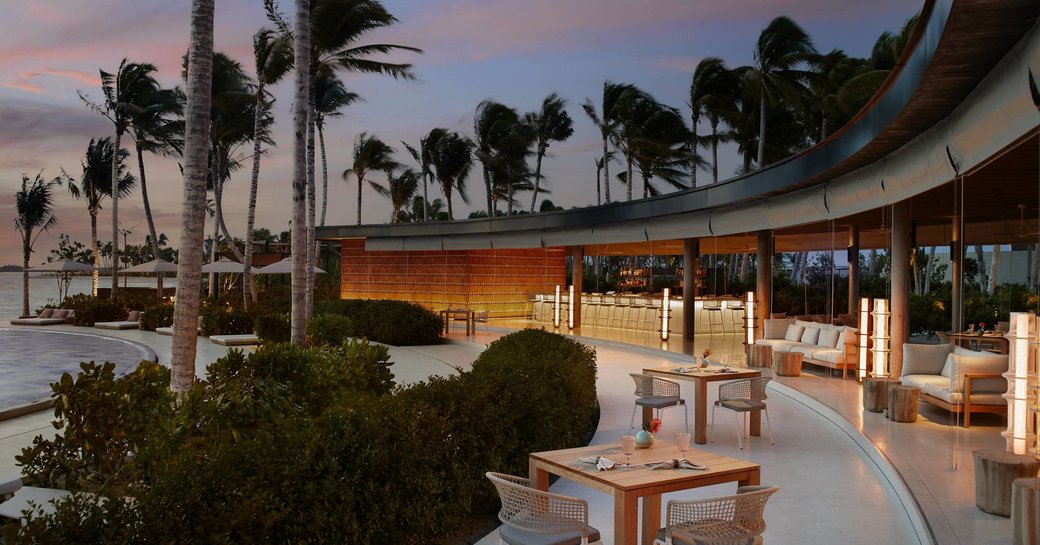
<point x="499" y="281"/>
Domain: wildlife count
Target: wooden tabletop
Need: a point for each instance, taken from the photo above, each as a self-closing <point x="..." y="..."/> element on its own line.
<point x="721" y="469"/>
<point x="710" y="373"/>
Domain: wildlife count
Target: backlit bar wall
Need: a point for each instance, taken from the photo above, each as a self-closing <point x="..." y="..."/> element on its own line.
<point x="498" y="281"/>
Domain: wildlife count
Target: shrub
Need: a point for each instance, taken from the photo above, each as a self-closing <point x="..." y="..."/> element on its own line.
<point x="273" y="328"/>
<point x="218" y="319"/>
<point x="329" y="330"/>
<point x="90" y="310"/>
<point x="396" y="323"/>
<point x="157" y="316"/>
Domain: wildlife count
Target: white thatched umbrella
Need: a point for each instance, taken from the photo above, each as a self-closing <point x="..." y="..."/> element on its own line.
<point x="282" y="267"/>
<point x="63" y="273"/>
<point x="158" y="267"/>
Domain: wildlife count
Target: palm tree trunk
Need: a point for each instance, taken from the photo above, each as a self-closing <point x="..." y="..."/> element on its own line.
<point x="487" y="186"/>
<point x="26" y="250"/>
<point x="115" y="215"/>
<point x="762" y="126"/>
<point x="301" y="51"/>
<point x="694" y="120"/>
<point x="537" y="178"/>
<point x="193" y="209"/>
<point x="95" y="249"/>
<point x="311" y="210"/>
<point x="628" y="177"/>
<point x="360" y="180"/>
<point x="214" y="246"/>
<point x="715" y="152"/>
<point x="980" y="257"/>
<point x="248" y="292"/>
<point x="823" y="128"/>
<point x="147" y="206"/>
<point x="929" y="267"/>
<point x="509" y="198"/>
<point x="447" y="195"/>
<point x="994" y="271"/>
<point x="324" y="174"/>
<point x="606" y="172"/>
<point x="599" y="196"/>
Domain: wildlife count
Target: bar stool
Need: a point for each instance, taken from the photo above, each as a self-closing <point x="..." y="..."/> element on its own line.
<point x="736" y="315"/>
<point x="713" y="308"/>
<point x="621" y="306"/>
<point x="548" y="302"/>
<point x="591" y="307"/>
<point x="653" y="314"/>
<point x="606" y="310"/>
<point x="636" y="310"/>
<point x="532" y="300"/>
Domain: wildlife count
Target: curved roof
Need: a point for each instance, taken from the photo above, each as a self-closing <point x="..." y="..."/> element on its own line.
<point x="955" y="46"/>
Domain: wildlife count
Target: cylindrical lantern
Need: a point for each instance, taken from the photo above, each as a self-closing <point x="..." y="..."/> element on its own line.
<point x="749" y="319"/>
<point x="556" y="307"/>
<point x="1020" y="375"/>
<point x="1036" y="390"/>
<point x="666" y="310"/>
<point x="864" y="336"/>
<point x="570" y="306"/>
<point x="881" y="337"/>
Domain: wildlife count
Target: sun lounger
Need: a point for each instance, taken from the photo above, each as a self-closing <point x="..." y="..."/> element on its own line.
<point x="168" y="331"/>
<point x="118" y="325"/>
<point x="235" y="340"/>
<point x="47" y="317"/>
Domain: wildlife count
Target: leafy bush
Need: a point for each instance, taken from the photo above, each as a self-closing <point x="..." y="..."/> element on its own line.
<point x="317" y="444"/>
<point x="273" y="328"/>
<point x="157" y="316"/>
<point x="396" y="323"/>
<point x="137" y="300"/>
<point x="218" y="319"/>
<point x="90" y="310"/>
<point x="329" y="330"/>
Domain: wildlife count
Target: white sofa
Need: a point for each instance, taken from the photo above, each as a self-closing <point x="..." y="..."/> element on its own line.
<point x="826" y="345"/>
<point x="957" y="379"/>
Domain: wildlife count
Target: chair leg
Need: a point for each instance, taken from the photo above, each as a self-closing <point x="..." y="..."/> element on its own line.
<point x="740" y="430"/>
<point x="711" y="435"/>
<point x="769" y="427"/>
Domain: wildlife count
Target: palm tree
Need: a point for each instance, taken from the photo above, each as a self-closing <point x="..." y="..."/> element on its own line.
<point x="370" y="154"/>
<point x="400" y="188"/>
<point x="301" y="101"/>
<point x="633" y="111"/>
<point x="95" y="184"/>
<point x="35" y="207"/>
<point x="661" y="150"/>
<point x="124" y="93"/>
<point x="330" y="97"/>
<point x="423" y="156"/>
<point x="551" y="123"/>
<point x="717" y="105"/>
<point x="420" y="211"/>
<point x="493" y="123"/>
<point x="193" y="209"/>
<point x="607" y="121"/>
<point x="451" y="161"/>
<point x="272" y="56"/>
<point x="601" y="165"/>
<point x="781" y="48"/>
<point x="857" y="90"/>
<point x="709" y="89"/>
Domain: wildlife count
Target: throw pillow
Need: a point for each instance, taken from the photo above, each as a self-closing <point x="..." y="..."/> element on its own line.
<point x="828" y="338"/>
<point x="135" y="315"/>
<point x="60" y="313"/>
<point x="991" y="364"/>
<point x="794" y="332"/>
<point x="811" y="335"/>
<point x="925" y="359"/>
<point x="46" y="313"/>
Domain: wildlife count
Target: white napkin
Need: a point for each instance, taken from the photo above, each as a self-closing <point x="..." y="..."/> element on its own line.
<point x="676" y="464"/>
<point x="600" y="462"/>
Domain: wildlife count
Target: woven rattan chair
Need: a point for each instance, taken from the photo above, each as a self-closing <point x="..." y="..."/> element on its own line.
<point x="657" y="393"/>
<point x="728" y="520"/>
<point x="533" y="517"/>
<point x="742" y="397"/>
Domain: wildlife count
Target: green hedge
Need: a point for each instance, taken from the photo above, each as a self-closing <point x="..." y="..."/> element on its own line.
<point x="220" y="319"/>
<point x="90" y="310"/>
<point x="330" y="330"/>
<point x="396" y="323"/>
<point x="157" y="316"/>
<point x="291" y="445"/>
<point x="273" y="328"/>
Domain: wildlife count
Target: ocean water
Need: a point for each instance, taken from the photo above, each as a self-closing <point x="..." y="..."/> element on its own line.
<point x="43" y="289"/>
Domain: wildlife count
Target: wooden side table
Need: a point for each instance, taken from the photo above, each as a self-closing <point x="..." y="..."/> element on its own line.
<point x="995" y="471"/>
<point x="787" y="364"/>
<point x="902" y="403"/>
<point x="1025" y="511"/>
<point x="875" y="393"/>
<point x="761" y="356"/>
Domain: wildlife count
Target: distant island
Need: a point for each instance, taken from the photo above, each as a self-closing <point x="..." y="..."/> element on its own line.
<point x="10" y="268"/>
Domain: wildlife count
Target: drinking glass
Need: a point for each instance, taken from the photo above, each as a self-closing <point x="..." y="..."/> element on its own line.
<point x="628" y="448"/>
<point x="682" y="440"/>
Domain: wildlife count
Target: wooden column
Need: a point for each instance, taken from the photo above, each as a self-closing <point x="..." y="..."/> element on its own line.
<point x="900" y="298"/>
<point x="853" y="255"/>
<point x="577" y="254"/>
<point x="995" y="471"/>
<point x="691" y="262"/>
<point x="1025" y="511"/>
<point x="763" y="276"/>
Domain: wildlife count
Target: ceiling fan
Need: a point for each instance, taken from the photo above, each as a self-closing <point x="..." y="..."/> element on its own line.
<point x="1021" y="233"/>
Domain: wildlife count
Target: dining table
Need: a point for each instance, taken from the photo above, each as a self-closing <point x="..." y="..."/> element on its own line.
<point x="701" y="376"/>
<point x="628" y="486"/>
<point x="968" y="339"/>
<point x="456" y="314"/>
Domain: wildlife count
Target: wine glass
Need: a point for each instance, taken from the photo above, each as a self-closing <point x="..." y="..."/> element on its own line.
<point x="628" y="448"/>
<point x="682" y="440"/>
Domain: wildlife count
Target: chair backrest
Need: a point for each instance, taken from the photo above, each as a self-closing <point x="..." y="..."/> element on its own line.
<point x="745" y="510"/>
<point x="648" y="386"/>
<point x="481" y="316"/>
<point x="758" y="388"/>
<point x="533" y="510"/>
<point x="738" y="389"/>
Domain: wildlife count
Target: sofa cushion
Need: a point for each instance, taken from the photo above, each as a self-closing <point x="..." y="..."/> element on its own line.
<point x="779" y="345"/>
<point x="847" y="335"/>
<point x="925" y="359"/>
<point x="776" y="328"/>
<point x="829" y="355"/>
<point x="806" y="323"/>
<point x="924" y="381"/>
<point x="828" y="337"/>
<point x="959" y="364"/>
<point x="806" y="349"/>
<point x="957" y="398"/>
<point x="811" y="335"/>
<point x="794" y="333"/>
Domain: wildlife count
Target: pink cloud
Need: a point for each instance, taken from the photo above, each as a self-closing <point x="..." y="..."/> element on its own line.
<point x="26" y="79"/>
<point x="23" y="86"/>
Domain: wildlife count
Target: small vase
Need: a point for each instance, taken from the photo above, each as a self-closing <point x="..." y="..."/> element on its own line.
<point x="644" y="439"/>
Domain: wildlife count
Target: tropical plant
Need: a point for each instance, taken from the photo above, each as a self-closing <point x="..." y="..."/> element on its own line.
<point x="551" y="124"/>
<point x="193" y="210"/>
<point x="632" y="112"/>
<point x="370" y="154"/>
<point x="34" y="205"/>
<point x="607" y="122"/>
<point x="782" y="49"/>
<point x="418" y="211"/>
<point x="400" y="188"/>
<point x="272" y="56"/>
<point x="95" y="184"/>
<point x="451" y="160"/>
<point x="493" y="124"/>
<point x="330" y="98"/>
<point x="661" y="148"/>
<point x="424" y="157"/>
<point x="711" y="91"/>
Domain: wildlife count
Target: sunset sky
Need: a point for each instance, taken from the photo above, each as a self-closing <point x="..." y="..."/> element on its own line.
<point x="516" y="52"/>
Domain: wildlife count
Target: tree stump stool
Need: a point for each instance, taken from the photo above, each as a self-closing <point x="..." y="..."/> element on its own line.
<point x="995" y="471"/>
<point x="875" y="393"/>
<point x="1025" y="511"/>
<point x="902" y="403"/>
<point x="787" y="364"/>
<point x="761" y="356"/>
